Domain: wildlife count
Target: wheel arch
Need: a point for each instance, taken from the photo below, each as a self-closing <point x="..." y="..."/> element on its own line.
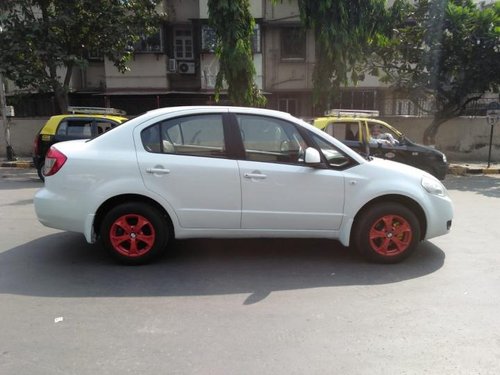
<point x="126" y="198"/>
<point x="394" y="198"/>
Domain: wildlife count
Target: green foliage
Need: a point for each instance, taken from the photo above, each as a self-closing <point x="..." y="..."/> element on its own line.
<point x="448" y="50"/>
<point x="345" y="31"/>
<point x="234" y="25"/>
<point x="42" y="40"/>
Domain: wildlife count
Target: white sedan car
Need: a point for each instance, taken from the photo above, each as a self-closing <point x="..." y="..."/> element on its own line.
<point x="232" y="172"/>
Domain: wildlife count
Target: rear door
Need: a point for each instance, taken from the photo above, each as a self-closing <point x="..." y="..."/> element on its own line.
<point x="185" y="160"/>
<point x="346" y="131"/>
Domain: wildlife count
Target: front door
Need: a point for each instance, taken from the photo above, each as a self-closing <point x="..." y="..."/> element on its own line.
<point x="385" y="143"/>
<point x="279" y="192"/>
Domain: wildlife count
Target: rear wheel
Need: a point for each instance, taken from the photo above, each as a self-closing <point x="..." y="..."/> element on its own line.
<point x="387" y="233"/>
<point x="39" y="171"/>
<point x="135" y="233"/>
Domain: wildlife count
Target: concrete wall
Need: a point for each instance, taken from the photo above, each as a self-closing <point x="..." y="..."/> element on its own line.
<point x="22" y="133"/>
<point x="462" y="139"/>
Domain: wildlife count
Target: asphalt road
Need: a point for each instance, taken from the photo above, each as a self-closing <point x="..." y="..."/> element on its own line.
<point x="250" y="306"/>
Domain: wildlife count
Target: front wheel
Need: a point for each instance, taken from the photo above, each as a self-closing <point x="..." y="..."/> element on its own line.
<point x="387" y="233"/>
<point x="135" y="233"/>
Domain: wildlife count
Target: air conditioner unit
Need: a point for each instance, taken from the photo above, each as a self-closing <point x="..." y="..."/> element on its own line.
<point x="186" y="67"/>
<point x="172" y="65"/>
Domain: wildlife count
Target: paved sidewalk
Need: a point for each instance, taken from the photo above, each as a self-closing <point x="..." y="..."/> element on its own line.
<point x="459" y="168"/>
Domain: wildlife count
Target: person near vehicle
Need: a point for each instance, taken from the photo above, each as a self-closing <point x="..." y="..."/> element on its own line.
<point x="378" y="137"/>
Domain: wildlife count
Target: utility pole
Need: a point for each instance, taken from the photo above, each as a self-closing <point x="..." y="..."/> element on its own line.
<point x="6" y="125"/>
<point x="3" y="109"/>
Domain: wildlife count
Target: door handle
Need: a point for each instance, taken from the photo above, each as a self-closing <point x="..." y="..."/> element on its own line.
<point x="258" y="176"/>
<point x="158" y="170"/>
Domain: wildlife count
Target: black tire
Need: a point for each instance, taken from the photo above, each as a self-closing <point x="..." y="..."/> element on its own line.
<point x="39" y="171"/>
<point x="386" y="233"/>
<point x="132" y="244"/>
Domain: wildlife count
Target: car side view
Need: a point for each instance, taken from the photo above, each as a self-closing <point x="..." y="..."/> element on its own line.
<point x="234" y="172"/>
<point x="79" y="123"/>
<point x="367" y="135"/>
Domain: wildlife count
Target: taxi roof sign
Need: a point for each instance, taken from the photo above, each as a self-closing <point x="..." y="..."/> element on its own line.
<point x="352" y="113"/>
<point x="96" y="111"/>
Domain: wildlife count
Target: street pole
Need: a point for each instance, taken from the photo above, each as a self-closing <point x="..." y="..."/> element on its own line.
<point x="6" y="125"/>
<point x="492" y="117"/>
<point x="489" y="151"/>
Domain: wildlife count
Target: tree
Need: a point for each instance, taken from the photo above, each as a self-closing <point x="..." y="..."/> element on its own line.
<point x="446" y="50"/>
<point x="345" y="31"/>
<point x="234" y="25"/>
<point x="44" y="40"/>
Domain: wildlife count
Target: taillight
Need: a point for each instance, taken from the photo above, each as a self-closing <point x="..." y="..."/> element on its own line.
<point x="54" y="160"/>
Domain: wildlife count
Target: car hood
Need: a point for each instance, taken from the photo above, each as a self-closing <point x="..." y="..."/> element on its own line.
<point x="390" y="167"/>
<point x="428" y="148"/>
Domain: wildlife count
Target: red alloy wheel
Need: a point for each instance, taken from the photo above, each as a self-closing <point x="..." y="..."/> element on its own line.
<point x="391" y="235"/>
<point x="132" y="235"/>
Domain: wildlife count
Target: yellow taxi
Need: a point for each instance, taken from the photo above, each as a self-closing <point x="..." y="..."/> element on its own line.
<point x="78" y="123"/>
<point x="359" y="130"/>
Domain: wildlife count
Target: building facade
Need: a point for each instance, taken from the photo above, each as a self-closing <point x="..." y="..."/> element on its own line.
<point x="178" y="66"/>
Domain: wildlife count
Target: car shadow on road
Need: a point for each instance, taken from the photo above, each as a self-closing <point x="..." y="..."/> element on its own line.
<point x="484" y="184"/>
<point x="64" y="265"/>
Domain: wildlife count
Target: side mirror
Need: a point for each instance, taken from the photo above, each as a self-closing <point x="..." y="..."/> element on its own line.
<point x="312" y="156"/>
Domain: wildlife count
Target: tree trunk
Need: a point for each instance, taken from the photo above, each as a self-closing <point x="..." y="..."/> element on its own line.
<point x="61" y="99"/>
<point x="429" y="137"/>
<point x="60" y="90"/>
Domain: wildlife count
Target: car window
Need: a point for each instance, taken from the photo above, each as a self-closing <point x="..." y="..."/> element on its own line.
<point x="103" y="126"/>
<point x="381" y="134"/>
<point x="75" y="128"/>
<point x="270" y="140"/>
<point x="201" y="135"/>
<point x="334" y="156"/>
<point x="343" y="131"/>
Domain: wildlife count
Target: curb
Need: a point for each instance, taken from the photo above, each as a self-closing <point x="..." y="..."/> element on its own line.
<point x="462" y="170"/>
<point x="17" y="164"/>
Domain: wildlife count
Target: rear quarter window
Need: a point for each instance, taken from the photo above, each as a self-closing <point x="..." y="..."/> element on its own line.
<point x="75" y="128"/>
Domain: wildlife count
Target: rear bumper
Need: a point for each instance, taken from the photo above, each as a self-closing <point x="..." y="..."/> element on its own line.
<point x="55" y="211"/>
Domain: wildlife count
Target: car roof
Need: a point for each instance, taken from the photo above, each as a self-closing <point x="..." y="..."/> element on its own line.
<point x="216" y="108"/>
<point x="322" y="122"/>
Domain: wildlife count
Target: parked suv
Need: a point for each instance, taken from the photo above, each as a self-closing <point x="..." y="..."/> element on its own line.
<point x="366" y="135"/>
<point x="80" y="123"/>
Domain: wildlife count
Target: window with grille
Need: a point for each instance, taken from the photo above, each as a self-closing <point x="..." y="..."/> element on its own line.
<point x="183" y="44"/>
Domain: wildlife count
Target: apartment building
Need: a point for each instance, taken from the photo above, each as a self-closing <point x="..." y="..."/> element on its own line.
<point x="178" y="66"/>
